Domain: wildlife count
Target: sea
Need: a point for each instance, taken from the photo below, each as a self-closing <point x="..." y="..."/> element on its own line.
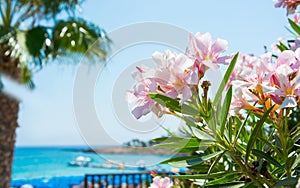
<point x="50" y="162"/>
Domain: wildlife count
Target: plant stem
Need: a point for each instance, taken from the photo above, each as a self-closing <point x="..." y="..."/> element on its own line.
<point x="286" y="139"/>
<point x="247" y="171"/>
<point x="244" y="168"/>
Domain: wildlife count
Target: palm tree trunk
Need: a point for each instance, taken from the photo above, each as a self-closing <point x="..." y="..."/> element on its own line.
<point x="9" y="109"/>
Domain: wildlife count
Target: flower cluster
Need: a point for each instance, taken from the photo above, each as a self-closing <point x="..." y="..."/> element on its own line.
<point x="176" y="75"/>
<point x="262" y="148"/>
<point x="260" y="81"/>
<point x="159" y="182"/>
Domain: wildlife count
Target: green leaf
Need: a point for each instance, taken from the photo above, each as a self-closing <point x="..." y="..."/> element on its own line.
<point x="179" y="159"/>
<point x="162" y="139"/>
<point x="282" y="47"/>
<point x="256" y="132"/>
<point x="225" y="80"/>
<point x="213" y="165"/>
<point x="240" y="128"/>
<point x="188" y="110"/>
<point x="195" y="161"/>
<point x="184" y="143"/>
<point x="286" y="182"/>
<point x="170" y="103"/>
<point x="212" y="121"/>
<point x="295" y="27"/>
<point x="190" y="122"/>
<point x="268" y="120"/>
<point x="250" y="185"/>
<point x="79" y="36"/>
<point x="291" y="160"/>
<point x="225" y="110"/>
<point x="201" y="134"/>
<point x="296" y="162"/>
<point x="229" y="177"/>
<point x="267" y="157"/>
<point x="270" y="145"/>
<point x="200" y="176"/>
<point x="235" y="184"/>
<point x="35" y="40"/>
<point x="173" y="104"/>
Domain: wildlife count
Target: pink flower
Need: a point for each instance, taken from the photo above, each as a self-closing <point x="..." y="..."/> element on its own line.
<point x="206" y="53"/>
<point x="159" y="182"/>
<point x="144" y="104"/>
<point x="251" y="71"/>
<point x="295" y="44"/>
<point x="175" y="74"/>
<point x="240" y="100"/>
<point x="284" y="86"/>
<point x="296" y="65"/>
<point x="286" y="57"/>
<point x="290" y="5"/>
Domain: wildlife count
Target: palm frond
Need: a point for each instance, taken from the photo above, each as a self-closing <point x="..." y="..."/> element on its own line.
<point x="25" y="50"/>
<point x="79" y="36"/>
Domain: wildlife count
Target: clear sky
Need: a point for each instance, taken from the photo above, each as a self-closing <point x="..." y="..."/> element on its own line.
<point x="47" y="113"/>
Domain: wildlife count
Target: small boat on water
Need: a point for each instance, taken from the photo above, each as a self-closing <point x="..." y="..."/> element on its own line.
<point x="81" y="161"/>
<point x="119" y="165"/>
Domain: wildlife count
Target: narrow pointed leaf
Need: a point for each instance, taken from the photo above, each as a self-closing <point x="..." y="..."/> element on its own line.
<point x="296" y="162"/>
<point x="295" y="27"/>
<point x="256" y="131"/>
<point x="229" y="177"/>
<point x="225" y="80"/>
<point x="225" y="110"/>
<point x="213" y="165"/>
<point x="200" y="176"/>
<point x="196" y="161"/>
<point x="236" y="184"/>
<point x="181" y="143"/>
<point x="282" y="47"/>
<point x="240" y="129"/>
<point x="270" y="145"/>
<point x="173" y="104"/>
<point x="267" y="157"/>
<point x="201" y="134"/>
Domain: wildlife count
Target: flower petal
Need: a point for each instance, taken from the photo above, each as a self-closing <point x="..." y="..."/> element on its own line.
<point x="186" y="93"/>
<point x="210" y="64"/>
<point x="287" y="57"/>
<point x="141" y="108"/>
<point x="219" y="46"/>
<point x="203" y="42"/>
<point x="288" y="102"/>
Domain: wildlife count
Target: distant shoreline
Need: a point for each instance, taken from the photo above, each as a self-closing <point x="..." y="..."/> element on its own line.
<point x="108" y="149"/>
<point x="131" y="150"/>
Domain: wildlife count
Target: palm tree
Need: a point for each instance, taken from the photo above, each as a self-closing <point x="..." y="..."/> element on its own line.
<point x="33" y="33"/>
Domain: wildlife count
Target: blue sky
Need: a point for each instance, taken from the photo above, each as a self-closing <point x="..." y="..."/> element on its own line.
<point x="47" y="113"/>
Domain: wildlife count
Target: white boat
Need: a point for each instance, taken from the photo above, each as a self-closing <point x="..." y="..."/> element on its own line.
<point x="81" y="161"/>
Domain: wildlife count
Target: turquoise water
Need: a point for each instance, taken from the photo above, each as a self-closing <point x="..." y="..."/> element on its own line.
<point x="46" y="162"/>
